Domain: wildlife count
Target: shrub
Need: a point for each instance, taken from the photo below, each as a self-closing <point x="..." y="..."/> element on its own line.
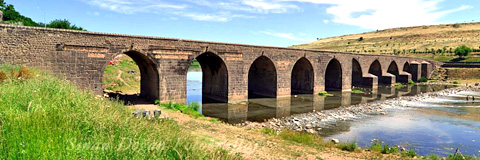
<point x="388" y="150"/>
<point x="423" y="79"/>
<point x="463" y="51"/>
<point x="409" y="153"/>
<point x="456" y="82"/>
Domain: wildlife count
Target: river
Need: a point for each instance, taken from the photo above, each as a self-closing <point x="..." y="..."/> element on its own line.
<point x="436" y="125"/>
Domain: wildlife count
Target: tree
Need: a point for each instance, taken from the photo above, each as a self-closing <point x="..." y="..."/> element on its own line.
<point x="63" y="24"/>
<point x="463" y="51"/>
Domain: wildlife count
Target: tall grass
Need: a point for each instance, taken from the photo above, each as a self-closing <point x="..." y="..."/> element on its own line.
<point x="47" y="118"/>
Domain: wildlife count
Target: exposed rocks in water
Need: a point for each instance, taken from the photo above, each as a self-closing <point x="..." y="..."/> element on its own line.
<point x="314" y="122"/>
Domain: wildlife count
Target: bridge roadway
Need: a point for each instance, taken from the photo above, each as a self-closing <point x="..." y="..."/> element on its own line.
<point x="231" y="72"/>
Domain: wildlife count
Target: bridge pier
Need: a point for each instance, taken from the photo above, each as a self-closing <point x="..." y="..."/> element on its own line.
<point x="404" y="77"/>
<point x="388" y="79"/>
<point x="415" y="70"/>
<point x="371" y="81"/>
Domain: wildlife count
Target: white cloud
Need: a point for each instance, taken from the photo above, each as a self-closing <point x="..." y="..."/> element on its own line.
<point x="369" y="14"/>
<point x="284" y="35"/>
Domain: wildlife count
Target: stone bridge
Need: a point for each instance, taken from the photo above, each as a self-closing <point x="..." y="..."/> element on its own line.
<point x="231" y="72"/>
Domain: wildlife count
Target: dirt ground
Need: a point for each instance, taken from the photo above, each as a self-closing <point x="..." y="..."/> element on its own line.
<point x="253" y="144"/>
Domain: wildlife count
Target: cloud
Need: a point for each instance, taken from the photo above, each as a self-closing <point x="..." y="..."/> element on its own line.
<point x="284" y="35"/>
<point x="368" y="14"/>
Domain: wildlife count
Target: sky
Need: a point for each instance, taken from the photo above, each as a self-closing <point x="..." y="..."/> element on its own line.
<point x="280" y="23"/>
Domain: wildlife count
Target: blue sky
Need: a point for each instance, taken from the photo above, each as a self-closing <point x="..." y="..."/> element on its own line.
<point x="258" y="22"/>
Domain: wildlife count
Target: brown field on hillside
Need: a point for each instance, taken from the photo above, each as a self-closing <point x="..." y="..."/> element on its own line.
<point x="410" y="41"/>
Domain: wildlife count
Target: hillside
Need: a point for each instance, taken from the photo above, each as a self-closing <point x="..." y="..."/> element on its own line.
<point x="420" y="41"/>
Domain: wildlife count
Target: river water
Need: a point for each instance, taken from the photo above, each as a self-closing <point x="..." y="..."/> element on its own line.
<point x="437" y="125"/>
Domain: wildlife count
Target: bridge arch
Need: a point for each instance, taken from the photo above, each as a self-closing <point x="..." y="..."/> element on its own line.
<point x="376" y="69"/>
<point x="149" y="76"/>
<point x="357" y="74"/>
<point x="262" y="79"/>
<point x="302" y="81"/>
<point x="393" y="69"/>
<point x="214" y="78"/>
<point x="333" y="76"/>
<point x="406" y="67"/>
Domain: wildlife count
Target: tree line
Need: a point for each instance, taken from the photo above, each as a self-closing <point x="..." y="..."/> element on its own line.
<point x="10" y="15"/>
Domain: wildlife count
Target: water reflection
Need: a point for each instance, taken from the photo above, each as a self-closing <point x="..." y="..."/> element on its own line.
<point x="259" y="110"/>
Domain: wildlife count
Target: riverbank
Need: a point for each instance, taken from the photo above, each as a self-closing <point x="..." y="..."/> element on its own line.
<point x="314" y="122"/>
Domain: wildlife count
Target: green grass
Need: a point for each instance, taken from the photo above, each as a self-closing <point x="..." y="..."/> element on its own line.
<point x="268" y="131"/>
<point x="302" y="138"/>
<point x="357" y="92"/>
<point x="422" y="79"/>
<point x="349" y="146"/>
<point x="398" y="85"/>
<point x="195" y="65"/>
<point x="456" y="82"/>
<point x="132" y="80"/>
<point x="323" y="93"/>
<point x="411" y="82"/>
<point x="461" y="157"/>
<point x="191" y="109"/>
<point x="48" y="118"/>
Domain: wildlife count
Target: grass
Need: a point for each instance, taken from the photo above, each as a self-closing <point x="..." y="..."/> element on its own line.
<point x="349" y="146"/>
<point x="357" y="92"/>
<point x="195" y="66"/>
<point x="191" y="109"/>
<point x="323" y="93"/>
<point x="47" y="118"/>
<point x="398" y="85"/>
<point x="423" y="79"/>
<point x="268" y="131"/>
<point x="302" y="138"/>
<point x="456" y="82"/>
<point x="411" y="82"/>
<point x="129" y="73"/>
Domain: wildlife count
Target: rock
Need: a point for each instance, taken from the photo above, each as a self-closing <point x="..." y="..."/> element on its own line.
<point x="308" y="126"/>
<point x="157" y="113"/>
<point x="137" y="113"/>
<point x="310" y="131"/>
<point x="146" y="113"/>
<point x="335" y="141"/>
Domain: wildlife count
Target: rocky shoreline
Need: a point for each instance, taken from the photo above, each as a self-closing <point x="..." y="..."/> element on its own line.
<point x="314" y="122"/>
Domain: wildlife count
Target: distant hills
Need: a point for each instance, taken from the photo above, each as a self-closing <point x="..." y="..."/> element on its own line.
<point x="420" y="41"/>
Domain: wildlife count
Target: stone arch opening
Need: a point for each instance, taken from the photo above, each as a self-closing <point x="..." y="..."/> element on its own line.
<point x="424" y="69"/>
<point x="406" y="67"/>
<point x="302" y="77"/>
<point x="121" y="70"/>
<point x="376" y="69"/>
<point x="214" y="78"/>
<point x="357" y="75"/>
<point x="333" y="76"/>
<point x="262" y="79"/>
<point x="393" y="69"/>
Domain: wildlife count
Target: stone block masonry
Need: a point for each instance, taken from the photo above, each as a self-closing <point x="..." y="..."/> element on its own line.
<point x="231" y="71"/>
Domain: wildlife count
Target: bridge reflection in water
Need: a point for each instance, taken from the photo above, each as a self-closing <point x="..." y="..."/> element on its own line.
<point x="259" y="110"/>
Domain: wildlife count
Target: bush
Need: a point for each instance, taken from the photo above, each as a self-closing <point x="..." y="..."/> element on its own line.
<point x="456" y="82"/>
<point x="423" y="79"/>
<point x="463" y="51"/>
<point x="398" y="85"/>
<point x="409" y="153"/>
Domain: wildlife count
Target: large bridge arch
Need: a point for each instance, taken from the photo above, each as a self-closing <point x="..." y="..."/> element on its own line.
<point x="262" y="78"/>
<point x="302" y="80"/>
<point x="393" y="69"/>
<point x="214" y="78"/>
<point x="333" y="76"/>
<point x="149" y="76"/>
<point x="376" y="70"/>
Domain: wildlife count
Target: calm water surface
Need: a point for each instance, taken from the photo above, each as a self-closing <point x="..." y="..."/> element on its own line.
<point x="437" y="125"/>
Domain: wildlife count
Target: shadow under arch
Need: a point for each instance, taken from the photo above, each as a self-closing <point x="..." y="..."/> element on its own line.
<point x="214" y="78"/>
<point x="149" y="80"/>
<point x="333" y="76"/>
<point x="393" y="69"/>
<point x="302" y="77"/>
<point x="262" y="79"/>
<point x="406" y="67"/>
<point x="376" y="69"/>
<point x="357" y="75"/>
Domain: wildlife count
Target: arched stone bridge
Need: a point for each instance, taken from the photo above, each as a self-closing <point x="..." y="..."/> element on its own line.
<point x="231" y="72"/>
